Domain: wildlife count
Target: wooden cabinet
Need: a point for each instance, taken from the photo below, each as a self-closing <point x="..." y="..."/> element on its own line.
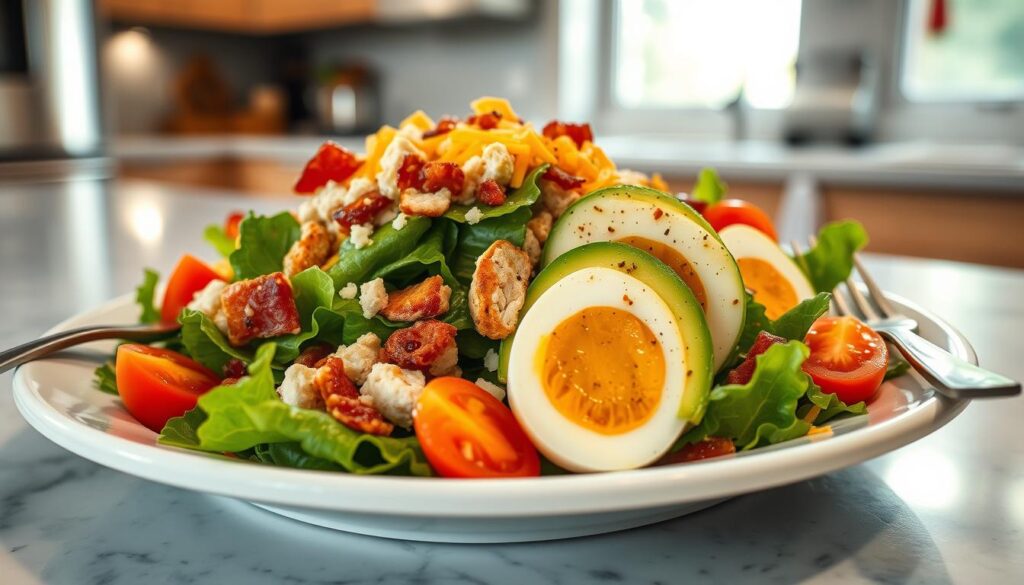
<point x="245" y="16"/>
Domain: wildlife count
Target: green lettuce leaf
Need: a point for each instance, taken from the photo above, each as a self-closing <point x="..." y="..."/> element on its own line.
<point x="263" y="243"/>
<point x="427" y="258"/>
<point x="218" y="238"/>
<point x="144" y="296"/>
<point x="389" y="245"/>
<point x="104" y="379"/>
<point x="709" y="187"/>
<point x="475" y="239"/>
<point x="898" y="365"/>
<point x="763" y="411"/>
<point x="830" y="261"/>
<point x="793" y="324"/>
<point x="205" y="343"/>
<point x="292" y="455"/>
<point x="249" y="413"/>
<point x="525" y="196"/>
<point x="182" y="431"/>
<point x="830" y="404"/>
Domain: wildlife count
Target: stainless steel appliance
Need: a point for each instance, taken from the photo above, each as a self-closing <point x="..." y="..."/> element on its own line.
<point x="49" y="89"/>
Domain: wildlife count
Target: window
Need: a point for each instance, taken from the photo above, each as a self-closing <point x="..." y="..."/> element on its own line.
<point x="696" y="53"/>
<point x="963" y="50"/>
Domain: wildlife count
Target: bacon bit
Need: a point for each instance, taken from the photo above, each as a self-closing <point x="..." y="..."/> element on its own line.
<point x="444" y="126"/>
<point x="410" y="174"/>
<point x="657" y="214"/>
<point x="742" y="373"/>
<point x="419" y="301"/>
<point x="341" y="399"/>
<point x="487" y="121"/>
<point x="232" y="223"/>
<point x="313" y="354"/>
<point x="442" y="175"/>
<point x="419" y="346"/>
<point x="259" y="308"/>
<point x="562" y="178"/>
<point x="706" y="449"/>
<point x="361" y="211"/>
<point x="490" y="193"/>
<point x="234" y="368"/>
<point x="579" y="133"/>
<point x="331" y="162"/>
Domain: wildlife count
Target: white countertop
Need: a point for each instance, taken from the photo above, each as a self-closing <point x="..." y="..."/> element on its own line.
<point x="946" y="509"/>
<point x="931" y="165"/>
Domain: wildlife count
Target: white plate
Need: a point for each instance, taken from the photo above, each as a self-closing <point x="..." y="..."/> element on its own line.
<point x="57" y="398"/>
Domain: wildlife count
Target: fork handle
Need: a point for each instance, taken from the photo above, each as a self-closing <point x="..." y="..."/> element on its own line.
<point x="952" y="376"/>
<point x="44" y="346"/>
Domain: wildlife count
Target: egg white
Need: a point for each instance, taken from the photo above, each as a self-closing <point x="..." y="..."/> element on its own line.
<point x="744" y="241"/>
<point x="560" y="439"/>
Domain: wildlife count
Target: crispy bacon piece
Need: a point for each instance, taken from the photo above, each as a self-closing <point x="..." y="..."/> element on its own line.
<point x="341" y="398"/>
<point x="330" y="163"/>
<point x="419" y="301"/>
<point x="444" y="126"/>
<point x="410" y="174"/>
<point x="442" y="175"/>
<point x="706" y="449"/>
<point x="234" y="368"/>
<point x="579" y="133"/>
<point x="260" y="307"/>
<point x="420" y="346"/>
<point x="742" y="373"/>
<point x="486" y="121"/>
<point x="562" y="178"/>
<point x="312" y="355"/>
<point x="490" y="193"/>
<point x="361" y="210"/>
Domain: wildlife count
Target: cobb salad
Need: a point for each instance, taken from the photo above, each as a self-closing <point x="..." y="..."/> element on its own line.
<point x="479" y="298"/>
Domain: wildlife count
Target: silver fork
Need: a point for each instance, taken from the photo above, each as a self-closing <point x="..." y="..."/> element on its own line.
<point x="44" y="346"/>
<point x="950" y="375"/>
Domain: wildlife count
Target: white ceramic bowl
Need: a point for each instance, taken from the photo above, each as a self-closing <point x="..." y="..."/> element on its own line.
<point x="57" y="398"/>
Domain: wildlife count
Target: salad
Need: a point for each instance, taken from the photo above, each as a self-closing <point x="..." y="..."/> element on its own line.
<point x="479" y="298"/>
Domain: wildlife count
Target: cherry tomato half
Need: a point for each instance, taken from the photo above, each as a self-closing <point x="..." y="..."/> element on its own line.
<point x="190" y="276"/>
<point x="466" y="432"/>
<point x="231" y="223"/>
<point x="847" y="359"/>
<point x="158" y="384"/>
<point x="730" y="211"/>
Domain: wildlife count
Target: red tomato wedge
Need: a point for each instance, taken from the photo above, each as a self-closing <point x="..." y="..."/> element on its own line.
<point x="190" y="276"/>
<point x="331" y="162"/>
<point x="231" y="223"/>
<point x="466" y="432"/>
<point x="158" y="384"/>
<point x="847" y="359"/>
<point x="731" y="211"/>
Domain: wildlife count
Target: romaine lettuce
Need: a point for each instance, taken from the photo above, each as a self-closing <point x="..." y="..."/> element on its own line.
<point x="793" y="324"/>
<point x="830" y="261"/>
<point x="389" y="245"/>
<point x="709" y="188"/>
<point x="218" y="238"/>
<point x="263" y="243"/>
<point x="525" y="196"/>
<point x="144" y="295"/>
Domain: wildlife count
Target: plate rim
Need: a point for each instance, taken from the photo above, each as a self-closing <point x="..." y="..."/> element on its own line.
<point x="544" y="496"/>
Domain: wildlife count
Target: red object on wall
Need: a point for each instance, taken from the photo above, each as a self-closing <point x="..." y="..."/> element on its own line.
<point x="938" y="17"/>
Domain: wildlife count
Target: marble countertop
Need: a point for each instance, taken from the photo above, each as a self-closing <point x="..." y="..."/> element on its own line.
<point x="909" y="164"/>
<point x="946" y="509"/>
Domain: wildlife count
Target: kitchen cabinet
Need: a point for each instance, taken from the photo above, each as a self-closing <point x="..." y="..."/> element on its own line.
<point x="246" y="16"/>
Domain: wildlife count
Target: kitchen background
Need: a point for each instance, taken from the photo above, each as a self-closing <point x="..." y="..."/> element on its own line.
<point x="908" y="115"/>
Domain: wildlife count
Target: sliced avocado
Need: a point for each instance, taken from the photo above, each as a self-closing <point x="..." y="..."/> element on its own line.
<point x="666" y="283"/>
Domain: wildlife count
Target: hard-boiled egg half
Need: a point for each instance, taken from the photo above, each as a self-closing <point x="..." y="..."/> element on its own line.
<point x="772" y="277"/>
<point x="611" y="361"/>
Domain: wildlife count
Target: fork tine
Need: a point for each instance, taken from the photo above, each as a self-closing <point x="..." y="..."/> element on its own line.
<point x="840" y="305"/>
<point x="862" y="303"/>
<point x="876" y="293"/>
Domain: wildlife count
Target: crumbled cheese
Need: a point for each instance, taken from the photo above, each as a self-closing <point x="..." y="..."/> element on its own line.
<point x="391" y="161"/>
<point x="400" y="221"/>
<point x="491" y="360"/>
<point x="359" y="235"/>
<point x="372" y="297"/>
<point x="356" y="189"/>
<point x="411" y="132"/>
<point x="474" y="215"/>
<point x="631" y="177"/>
<point x="360" y="357"/>
<point x="207" y="301"/>
<point x="394" y="392"/>
<point x="298" y="388"/>
<point x="308" y="210"/>
<point x="498" y="163"/>
<point x="349" y="291"/>
<point x="473" y="173"/>
<point x="328" y="199"/>
<point x="386" y="216"/>
<point x="492" y="389"/>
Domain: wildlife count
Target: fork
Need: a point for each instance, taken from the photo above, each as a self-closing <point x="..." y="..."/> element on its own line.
<point x="44" y="346"/>
<point x="950" y="375"/>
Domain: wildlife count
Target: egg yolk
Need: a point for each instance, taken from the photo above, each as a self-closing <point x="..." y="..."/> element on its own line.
<point x="603" y="369"/>
<point x="768" y="286"/>
<point x="675" y="261"/>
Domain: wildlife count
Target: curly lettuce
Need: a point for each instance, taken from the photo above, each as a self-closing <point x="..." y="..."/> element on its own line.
<point x="830" y="261"/>
<point x="263" y="243"/>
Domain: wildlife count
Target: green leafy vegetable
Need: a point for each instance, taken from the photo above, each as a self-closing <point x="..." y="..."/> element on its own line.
<point x="292" y="455"/>
<point x="763" y="411"/>
<point x="830" y="404"/>
<point x="475" y="239"/>
<point x="428" y="257"/>
<point x="216" y="237"/>
<point x="898" y="365"/>
<point x="263" y="243"/>
<point x="182" y="431"/>
<point x="525" y="196"/>
<point x="144" y="295"/>
<point x="205" y="343"/>
<point x="793" y="324"/>
<point x="709" y="188"/>
<point x="389" y="245"/>
<point x="830" y="261"/>
<point x="104" y="379"/>
<point x="249" y="413"/>
<point x="314" y="291"/>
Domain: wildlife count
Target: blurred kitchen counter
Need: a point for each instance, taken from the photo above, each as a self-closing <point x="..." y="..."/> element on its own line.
<point x="948" y="201"/>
